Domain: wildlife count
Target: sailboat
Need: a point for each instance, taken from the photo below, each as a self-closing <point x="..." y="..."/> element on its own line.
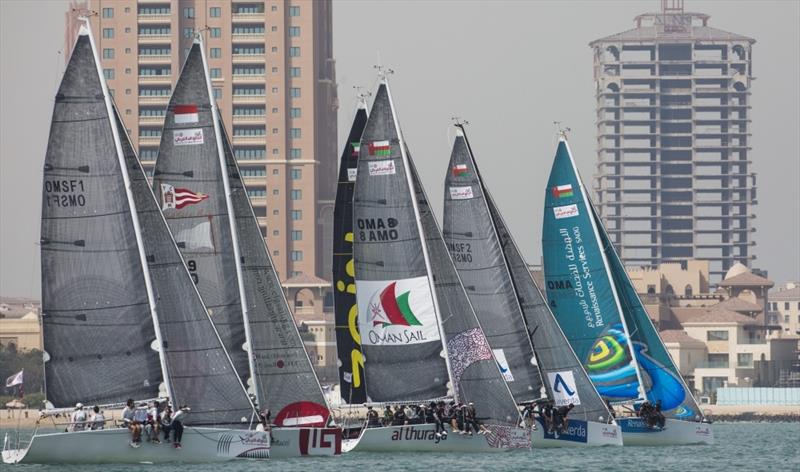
<point x="605" y="321"/>
<point x="419" y="335"/>
<point x="121" y="317"/>
<point x="348" y="339"/>
<point x="521" y="330"/>
<point x="205" y="203"/>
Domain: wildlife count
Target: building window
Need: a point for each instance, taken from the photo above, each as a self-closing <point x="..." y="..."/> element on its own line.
<point x="127" y="9"/>
<point x="295" y="153"/>
<point x="294" y="92"/>
<point x="108" y="13"/>
<point x="248" y="131"/>
<point x="717" y="336"/>
<point x="128" y="70"/>
<point x="215" y="32"/>
<point x="127" y="91"/>
<point x="217" y="93"/>
<point x="215" y="73"/>
<point x="274" y="8"/>
<point x="786" y="306"/>
<point x="275" y="151"/>
<point x="249" y="154"/>
<point x="127" y="110"/>
<point x="744" y="359"/>
<point x="294" y="51"/>
<point x="108" y="33"/>
<point x="256" y="193"/>
<point x="275" y="171"/>
<point x="274" y="29"/>
<point x="248" y="29"/>
<point x="276" y="253"/>
<point x="274" y="70"/>
<point x="687" y="291"/>
<point x="155" y="30"/>
<point x="148" y="154"/>
<point x="108" y="53"/>
<point x="274" y="109"/>
<point x="275" y="232"/>
<point x="188" y="32"/>
<point x="296" y="133"/>
<point x="297" y="215"/>
<point x="718" y="360"/>
<point x="785" y="317"/>
<point x="248" y="50"/>
<point x="274" y="130"/>
<point x="294" y="31"/>
<point x="297" y="235"/>
<point x="274" y="49"/>
<point x="297" y="174"/>
<point x="295" y="113"/>
<point x="108" y="74"/>
<point x="127" y="50"/>
<point x="248" y="90"/>
<point x="248" y="111"/>
<point x="216" y="53"/>
<point x="165" y="10"/>
<point x="297" y="256"/>
<point x="188" y="12"/>
<point x="294" y="11"/>
<point x="274" y="89"/>
<point x="150" y="132"/>
<point x="275" y="191"/>
<point x="253" y="172"/>
<point x="215" y="12"/>
<point x="297" y="194"/>
<point x="294" y="71"/>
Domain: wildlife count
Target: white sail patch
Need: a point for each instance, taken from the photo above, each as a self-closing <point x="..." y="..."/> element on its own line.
<point x="396" y="312"/>
<point x="196" y="237"/>
<point x="563" y="386"/>
<point x="461" y="193"/>
<point x="351" y="174"/>
<point x="187" y="137"/>
<point x="502" y="363"/>
<point x="381" y="167"/>
<point x="566" y="211"/>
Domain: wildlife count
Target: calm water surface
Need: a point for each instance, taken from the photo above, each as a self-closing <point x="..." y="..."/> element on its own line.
<point x="740" y="446"/>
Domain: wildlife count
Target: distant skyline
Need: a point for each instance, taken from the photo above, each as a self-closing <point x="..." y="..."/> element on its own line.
<point x="511" y="68"/>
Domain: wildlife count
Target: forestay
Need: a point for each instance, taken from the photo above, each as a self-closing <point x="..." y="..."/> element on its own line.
<point x="97" y="325"/>
<point x="476" y="373"/>
<point x="348" y="339"/>
<point x="476" y="252"/>
<point x="404" y="358"/>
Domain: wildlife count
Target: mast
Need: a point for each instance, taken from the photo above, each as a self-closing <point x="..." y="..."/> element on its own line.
<point x="415" y="206"/>
<point x="86" y="30"/>
<point x="232" y="223"/>
<point x="587" y="203"/>
<point x="463" y="133"/>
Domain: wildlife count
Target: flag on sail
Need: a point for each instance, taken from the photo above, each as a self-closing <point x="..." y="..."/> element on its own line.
<point x="15" y="379"/>
<point x="178" y="198"/>
<point x="380" y="148"/>
<point x="186" y="114"/>
<point x="356" y="148"/>
<point x="563" y="191"/>
<point x="460" y="169"/>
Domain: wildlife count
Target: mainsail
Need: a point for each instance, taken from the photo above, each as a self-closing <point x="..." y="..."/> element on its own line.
<point x="476" y="375"/>
<point x="580" y="288"/>
<point x="96" y="321"/>
<point x="476" y="252"/>
<point x="400" y="335"/>
<point x="348" y="338"/>
<point x="227" y="250"/>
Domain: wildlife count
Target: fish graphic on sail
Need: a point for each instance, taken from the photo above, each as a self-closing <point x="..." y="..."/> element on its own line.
<point x="348" y="337"/>
<point x="597" y="306"/>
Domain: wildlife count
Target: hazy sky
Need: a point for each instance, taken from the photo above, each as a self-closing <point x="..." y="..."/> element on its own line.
<point x="510" y="67"/>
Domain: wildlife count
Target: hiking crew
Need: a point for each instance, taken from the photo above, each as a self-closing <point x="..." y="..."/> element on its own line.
<point x="129" y="420"/>
<point x="372" y="418"/>
<point x="77" y="421"/>
<point x="97" y="421"/>
<point x="546" y="414"/>
<point x="561" y="417"/>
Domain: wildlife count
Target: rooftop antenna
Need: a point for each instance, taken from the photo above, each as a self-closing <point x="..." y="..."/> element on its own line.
<point x="459" y="121"/>
<point x="383" y="71"/>
<point x="561" y="131"/>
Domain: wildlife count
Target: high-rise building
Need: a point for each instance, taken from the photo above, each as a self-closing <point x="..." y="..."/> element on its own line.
<point x="272" y="71"/>
<point x="673" y="178"/>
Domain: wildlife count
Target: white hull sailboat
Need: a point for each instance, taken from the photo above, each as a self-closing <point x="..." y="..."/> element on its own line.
<point x="423" y="438"/>
<point x="675" y="432"/>
<point x="578" y="434"/>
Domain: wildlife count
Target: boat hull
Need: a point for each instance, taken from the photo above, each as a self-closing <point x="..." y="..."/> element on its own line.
<point x="199" y="445"/>
<point x="676" y="432"/>
<point x="297" y="442"/>
<point x="579" y="434"/>
<point x="422" y="438"/>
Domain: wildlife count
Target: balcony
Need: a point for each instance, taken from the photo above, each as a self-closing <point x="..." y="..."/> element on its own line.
<point x="151" y="120"/>
<point x="248" y="17"/>
<point x="154" y="17"/>
<point x="248" y="58"/>
<point x="249" y="119"/>
<point x="155" y="38"/>
<point x="153" y="99"/>
<point x="155" y="59"/>
<point x="713" y="365"/>
<point x="248" y="37"/>
<point x="249" y="99"/>
<point x="149" y="140"/>
<point x="155" y="79"/>
<point x="248" y="78"/>
<point x="243" y="140"/>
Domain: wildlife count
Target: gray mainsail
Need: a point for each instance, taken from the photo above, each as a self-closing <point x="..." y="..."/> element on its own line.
<point x="476" y="374"/>
<point x="553" y="352"/>
<point x="283" y="371"/>
<point x="476" y="252"/>
<point x="188" y="180"/>
<point x="401" y="341"/>
<point x="96" y="320"/>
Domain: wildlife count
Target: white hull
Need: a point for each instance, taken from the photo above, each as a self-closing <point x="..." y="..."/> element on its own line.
<point x="296" y="442"/>
<point x="200" y="445"/>
<point x="676" y="432"/>
<point x="422" y="438"/>
<point x="579" y="434"/>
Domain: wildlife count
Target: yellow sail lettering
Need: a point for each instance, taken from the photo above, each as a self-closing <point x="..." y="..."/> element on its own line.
<point x="357" y="361"/>
<point x="352" y="323"/>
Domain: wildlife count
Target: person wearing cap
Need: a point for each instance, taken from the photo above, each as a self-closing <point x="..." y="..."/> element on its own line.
<point x="177" y="425"/>
<point x="471" y="418"/>
<point x="77" y="421"/>
<point x="372" y="418"/>
<point x="129" y="421"/>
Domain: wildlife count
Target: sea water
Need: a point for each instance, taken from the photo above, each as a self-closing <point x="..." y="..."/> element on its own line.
<point x="739" y="446"/>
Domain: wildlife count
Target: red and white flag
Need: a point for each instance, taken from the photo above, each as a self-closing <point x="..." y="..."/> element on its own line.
<point x="15" y="379"/>
<point x="177" y="198"/>
<point x="186" y="114"/>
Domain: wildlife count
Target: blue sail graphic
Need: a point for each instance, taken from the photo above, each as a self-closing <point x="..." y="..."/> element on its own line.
<point x="578" y="285"/>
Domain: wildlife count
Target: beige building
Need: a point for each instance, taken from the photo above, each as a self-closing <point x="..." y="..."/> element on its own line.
<point x="312" y="304"/>
<point x="272" y="73"/>
<point x="19" y="325"/>
<point x="784" y="308"/>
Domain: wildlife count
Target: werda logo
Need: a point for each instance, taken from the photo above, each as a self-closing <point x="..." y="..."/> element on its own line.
<point x="391" y="310"/>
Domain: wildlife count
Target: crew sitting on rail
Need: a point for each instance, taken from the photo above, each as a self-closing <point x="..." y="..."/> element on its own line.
<point x="388" y="416"/>
<point x="546" y="415"/>
<point x="77" y="421"/>
<point x="97" y="421"/>
<point x="440" y="418"/>
<point x="129" y="421"/>
<point x="372" y="418"/>
<point x="527" y="416"/>
<point x="152" y="424"/>
<point x="400" y="418"/>
<point x="166" y="421"/>
<point x="560" y="417"/>
<point x="177" y="425"/>
<point x="472" y="422"/>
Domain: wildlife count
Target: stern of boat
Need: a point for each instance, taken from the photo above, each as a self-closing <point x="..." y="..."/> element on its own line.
<point x="299" y="442"/>
<point x="675" y="433"/>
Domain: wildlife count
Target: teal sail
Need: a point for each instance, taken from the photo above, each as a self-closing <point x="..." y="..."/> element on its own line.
<point x="661" y="376"/>
<point x="579" y="285"/>
<point x="608" y="327"/>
